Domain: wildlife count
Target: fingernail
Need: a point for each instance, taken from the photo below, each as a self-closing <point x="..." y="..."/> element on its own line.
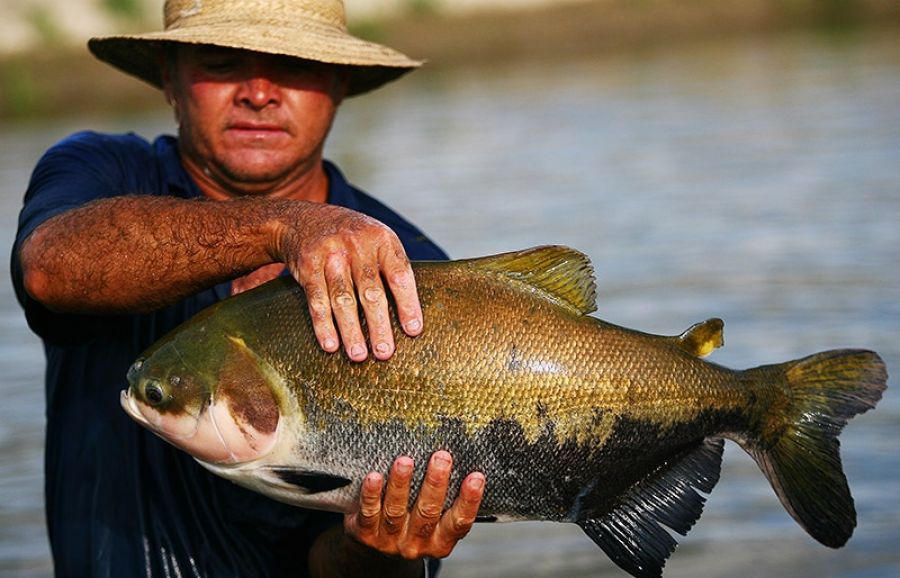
<point x="414" y="325"/>
<point x="329" y="344"/>
<point x="476" y="482"/>
<point x="404" y="466"/>
<point x="441" y="459"/>
<point x="357" y="351"/>
<point x="383" y="348"/>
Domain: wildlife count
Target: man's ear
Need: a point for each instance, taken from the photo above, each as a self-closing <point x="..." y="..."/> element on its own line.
<point x="341" y="83"/>
<point x="165" y="59"/>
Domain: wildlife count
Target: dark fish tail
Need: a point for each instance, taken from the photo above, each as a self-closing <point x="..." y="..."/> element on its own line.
<point x="797" y="443"/>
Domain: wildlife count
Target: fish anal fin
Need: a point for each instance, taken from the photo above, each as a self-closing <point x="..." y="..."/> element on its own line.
<point x="702" y="338"/>
<point x="562" y="274"/>
<point x="634" y="533"/>
<point x="312" y="482"/>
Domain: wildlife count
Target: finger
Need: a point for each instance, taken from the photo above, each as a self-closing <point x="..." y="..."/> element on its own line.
<point x="402" y="284"/>
<point x="319" y="305"/>
<point x="344" y="307"/>
<point x="430" y="504"/>
<point x="396" y="496"/>
<point x="457" y="521"/>
<point x="364" y="522"/>
<point x="375" y="306"/>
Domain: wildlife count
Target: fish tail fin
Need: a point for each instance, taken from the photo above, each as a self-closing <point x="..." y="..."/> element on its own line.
<point x="797" y="445"/>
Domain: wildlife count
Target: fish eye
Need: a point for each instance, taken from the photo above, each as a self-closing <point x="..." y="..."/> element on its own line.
<point x="154" y="393"/>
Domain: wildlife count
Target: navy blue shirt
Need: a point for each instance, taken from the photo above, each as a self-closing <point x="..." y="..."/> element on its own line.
<point x="120" y="501"/>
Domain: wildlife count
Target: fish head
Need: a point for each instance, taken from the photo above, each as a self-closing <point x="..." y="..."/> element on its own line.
<point x="208" y="395"/>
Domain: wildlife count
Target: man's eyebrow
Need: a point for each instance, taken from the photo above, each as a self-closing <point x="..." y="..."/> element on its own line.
<point x="210" y="50"/>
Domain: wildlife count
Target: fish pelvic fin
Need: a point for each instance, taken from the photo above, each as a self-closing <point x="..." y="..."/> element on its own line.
<point x="562" y="274"/>
<point x="797" y="446"/>
<point x="702" y="338"/>
<point x="634" y="533"/>
<point x="308" y="481"/>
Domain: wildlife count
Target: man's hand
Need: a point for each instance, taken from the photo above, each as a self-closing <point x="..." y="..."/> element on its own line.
<point x="141" y="253"/>
<point x="390" y="527"/>
<point x="342" y="259"/>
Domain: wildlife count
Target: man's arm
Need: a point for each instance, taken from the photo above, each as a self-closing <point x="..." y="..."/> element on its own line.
<point x="139" y="253"/>
<point x="386" y="538"/>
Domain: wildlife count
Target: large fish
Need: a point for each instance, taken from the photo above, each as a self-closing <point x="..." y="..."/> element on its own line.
<point x="571" y="419"/>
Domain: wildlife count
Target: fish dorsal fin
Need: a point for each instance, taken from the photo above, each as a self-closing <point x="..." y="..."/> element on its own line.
<point x="634" y="533"/>
<point x="564" y="275"/>
<point x="702" y="338"/>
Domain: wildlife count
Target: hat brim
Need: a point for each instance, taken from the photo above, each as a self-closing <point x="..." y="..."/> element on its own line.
<point x="370" y="65"/>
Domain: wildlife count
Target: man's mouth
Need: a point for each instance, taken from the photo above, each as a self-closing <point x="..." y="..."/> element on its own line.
<point x="256" y="127"/>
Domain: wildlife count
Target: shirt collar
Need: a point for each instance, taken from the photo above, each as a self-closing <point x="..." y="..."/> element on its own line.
<point x="340" y="192"/>
<point x="177" y="180"/>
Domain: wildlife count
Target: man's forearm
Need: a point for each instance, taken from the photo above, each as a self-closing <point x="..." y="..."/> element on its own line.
<point x="335" y="554"/>
<point x="139" y="253"/>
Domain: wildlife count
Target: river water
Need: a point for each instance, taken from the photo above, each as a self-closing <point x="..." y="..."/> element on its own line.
<point x="754" y="179"/>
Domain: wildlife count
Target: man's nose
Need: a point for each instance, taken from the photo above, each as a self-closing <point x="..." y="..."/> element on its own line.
<point x="258" y="92"/>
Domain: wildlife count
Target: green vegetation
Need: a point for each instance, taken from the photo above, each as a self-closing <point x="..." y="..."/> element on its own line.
<point x="372" y="30"/>
<point x="40" y="19"/>
<point x="419" y="7"/>
<point x="840" y="14"/>
<point x="61" y="80"/>
<point x="19" y="96"/>
<point x="129" y="10"/>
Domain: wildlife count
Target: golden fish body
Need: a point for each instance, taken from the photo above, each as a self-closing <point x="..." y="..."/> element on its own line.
<point x="570" y="418"/>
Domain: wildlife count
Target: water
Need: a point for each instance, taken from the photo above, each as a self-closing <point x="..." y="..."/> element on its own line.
<point x="757" y="180"/>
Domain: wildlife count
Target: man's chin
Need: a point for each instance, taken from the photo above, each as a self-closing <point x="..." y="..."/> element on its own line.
<point x="252" y="172"/>
<point x="255" y="172"/>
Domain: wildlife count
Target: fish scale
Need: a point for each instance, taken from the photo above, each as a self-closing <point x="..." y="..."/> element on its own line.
<point x="570" y="418"/>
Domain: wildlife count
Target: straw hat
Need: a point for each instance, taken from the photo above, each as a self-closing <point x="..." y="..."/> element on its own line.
<point x="307" y="29"/>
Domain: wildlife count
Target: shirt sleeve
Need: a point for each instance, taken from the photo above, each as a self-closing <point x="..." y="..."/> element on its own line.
<point x="82" y="168"/>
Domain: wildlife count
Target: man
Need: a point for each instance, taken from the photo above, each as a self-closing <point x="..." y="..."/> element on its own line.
<point x="120" y="240"/>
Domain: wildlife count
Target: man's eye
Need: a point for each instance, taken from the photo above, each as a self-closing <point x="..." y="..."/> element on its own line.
<point x="297" y="66"/>
<point x="218" y="66"/>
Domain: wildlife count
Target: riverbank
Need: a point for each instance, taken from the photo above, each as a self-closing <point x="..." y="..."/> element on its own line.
<point x="63" y="81"/>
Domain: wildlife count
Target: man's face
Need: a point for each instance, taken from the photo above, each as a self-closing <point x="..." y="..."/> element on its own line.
<point x="251" y="122"/>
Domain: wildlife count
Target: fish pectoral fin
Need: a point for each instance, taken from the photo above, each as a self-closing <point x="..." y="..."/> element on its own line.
<point x="634" y="533"/>
<point x="702" y="338"/>
<point x="313" y="482"/>
<point x="563" y="275"/>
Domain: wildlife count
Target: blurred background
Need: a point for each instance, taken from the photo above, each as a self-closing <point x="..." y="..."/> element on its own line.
<point x="732" y="158"/>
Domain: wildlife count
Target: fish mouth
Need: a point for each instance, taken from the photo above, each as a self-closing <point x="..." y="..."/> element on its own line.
<point x="161" y="425"/>
<point x="130" y="405"/>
